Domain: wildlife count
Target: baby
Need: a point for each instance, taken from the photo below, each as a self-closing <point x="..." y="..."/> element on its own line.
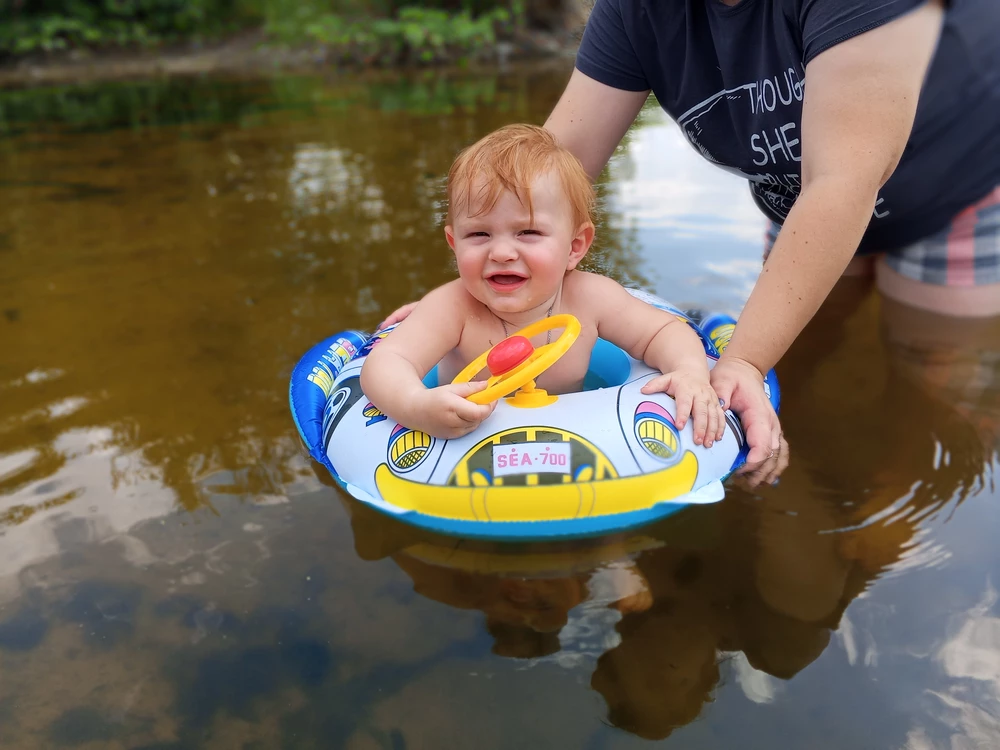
<point x="519" y="223"/>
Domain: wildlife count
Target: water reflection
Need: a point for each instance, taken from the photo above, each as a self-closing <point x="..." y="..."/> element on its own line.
<point x="695" y="232"/>
<point x="175" y="574"/>
<point x="206" y="234"/>
<point x="882" y="461"/>
<point x="887" y="447"/>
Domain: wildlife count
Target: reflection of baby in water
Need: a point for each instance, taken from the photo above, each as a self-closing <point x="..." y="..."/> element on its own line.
<point x="526" y="615"/>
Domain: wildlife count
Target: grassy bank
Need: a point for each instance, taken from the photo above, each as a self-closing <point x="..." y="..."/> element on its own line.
<point x="382" y="32"/>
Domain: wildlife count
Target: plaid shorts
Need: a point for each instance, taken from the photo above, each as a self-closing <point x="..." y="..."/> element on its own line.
<point x="964" y="253"/>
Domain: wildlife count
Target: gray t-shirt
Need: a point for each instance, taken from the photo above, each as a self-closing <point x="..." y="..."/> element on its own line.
<point x="733" y="78"/>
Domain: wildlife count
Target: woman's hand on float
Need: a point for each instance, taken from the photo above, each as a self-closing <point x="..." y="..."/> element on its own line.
<point x="740" y="385"/>
<point x="397" y="315"/>
<point x="695" y="398"/>
<point x="445" y="412"/>
<point x="766" y="471"/>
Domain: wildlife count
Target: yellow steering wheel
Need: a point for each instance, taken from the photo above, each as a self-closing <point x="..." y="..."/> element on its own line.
<point x="523" y="374"/>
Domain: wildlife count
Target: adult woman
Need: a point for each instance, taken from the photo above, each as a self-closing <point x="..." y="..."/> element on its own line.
<point x="848" y="164"/>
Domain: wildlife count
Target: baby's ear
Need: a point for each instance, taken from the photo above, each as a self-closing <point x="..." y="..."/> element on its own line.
<point x="449" y="234"/>
<point x="580" y="245"/>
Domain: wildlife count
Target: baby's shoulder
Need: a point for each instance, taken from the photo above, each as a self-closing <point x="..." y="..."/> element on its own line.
<point x="452" y="295"/>
<point x="588" y="280"/>
<point x="590" y="296"/>
<point x="451" y="304"/>
<point x="585" y="288"/>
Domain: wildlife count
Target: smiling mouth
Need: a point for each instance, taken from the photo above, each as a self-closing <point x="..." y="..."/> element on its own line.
<point x="505" y="281"/>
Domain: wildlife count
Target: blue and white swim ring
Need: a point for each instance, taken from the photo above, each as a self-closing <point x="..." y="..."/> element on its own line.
<point x="601" y="461"/>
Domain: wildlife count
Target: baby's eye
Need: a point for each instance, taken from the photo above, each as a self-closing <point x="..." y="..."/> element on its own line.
<point x="530" y="231"/>
<point x="477" y="234"/>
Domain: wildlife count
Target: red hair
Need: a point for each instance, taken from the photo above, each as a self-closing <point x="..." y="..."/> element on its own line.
<point x="511" y="159"/>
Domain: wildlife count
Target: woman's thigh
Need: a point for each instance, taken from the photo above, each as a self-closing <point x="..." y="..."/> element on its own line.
<point x="960" y="301"/>
<point x="955" y="272"/>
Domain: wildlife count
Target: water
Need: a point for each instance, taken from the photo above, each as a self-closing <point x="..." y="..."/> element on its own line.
<point x="175" y="574"/>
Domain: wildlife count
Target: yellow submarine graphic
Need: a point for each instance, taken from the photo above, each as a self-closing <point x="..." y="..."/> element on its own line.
<point x="656" y="431"/>
<point x="589" y="485"/>
<point x="408" y="448"/>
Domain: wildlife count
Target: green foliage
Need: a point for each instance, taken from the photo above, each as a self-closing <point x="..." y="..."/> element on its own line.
<point x="416" y="34"/>
<point x="364" y="30"/>
<point x="46" y="25"/>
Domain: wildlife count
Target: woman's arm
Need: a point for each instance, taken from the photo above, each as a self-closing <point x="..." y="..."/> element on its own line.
<point x="860" y="101"/>
<point x="590" y="119"/>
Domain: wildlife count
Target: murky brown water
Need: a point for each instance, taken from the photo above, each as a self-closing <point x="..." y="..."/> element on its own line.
<point x="174" y="574"/>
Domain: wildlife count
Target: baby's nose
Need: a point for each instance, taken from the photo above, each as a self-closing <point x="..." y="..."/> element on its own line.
<point x="501" y="249"/>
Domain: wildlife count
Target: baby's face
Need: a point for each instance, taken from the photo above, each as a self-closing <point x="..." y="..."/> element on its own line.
<point x="510" y="263"/>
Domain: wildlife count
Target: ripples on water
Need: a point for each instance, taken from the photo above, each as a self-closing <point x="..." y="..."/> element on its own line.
<point x="175" y="574"/>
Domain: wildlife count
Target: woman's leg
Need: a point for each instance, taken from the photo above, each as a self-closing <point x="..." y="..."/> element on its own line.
<point x="955" y="272"/>
<point x="960" y="301"/>
<point x="941" y="313"/>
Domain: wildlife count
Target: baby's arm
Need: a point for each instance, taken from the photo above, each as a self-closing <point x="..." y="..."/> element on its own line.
<point x="666" y="343"/>
<point x="392" y="375"/>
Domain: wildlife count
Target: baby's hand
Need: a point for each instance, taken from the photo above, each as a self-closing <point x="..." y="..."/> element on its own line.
<point x="446" y="412"/>
<point x="690" y="388"/>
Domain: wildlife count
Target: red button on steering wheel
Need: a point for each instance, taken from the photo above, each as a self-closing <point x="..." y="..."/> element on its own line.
<point x="508" y="354"/>
<point x="530" y="367"/>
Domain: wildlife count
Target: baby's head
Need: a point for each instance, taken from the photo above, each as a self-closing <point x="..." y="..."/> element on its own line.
<point x="511" y="159"/>
<point x="519" y="217"/>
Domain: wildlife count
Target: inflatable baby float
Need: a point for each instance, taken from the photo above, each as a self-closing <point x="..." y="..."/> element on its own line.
<point x="606" y="459"/>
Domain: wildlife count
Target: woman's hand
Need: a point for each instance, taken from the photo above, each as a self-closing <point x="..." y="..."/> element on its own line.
<point x="397" y="315"/>
<point x="740" y="385"/>
<point x="766" y="471"/>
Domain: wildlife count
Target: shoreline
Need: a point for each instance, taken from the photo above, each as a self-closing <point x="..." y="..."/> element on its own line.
<point x="248" y="53"/>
